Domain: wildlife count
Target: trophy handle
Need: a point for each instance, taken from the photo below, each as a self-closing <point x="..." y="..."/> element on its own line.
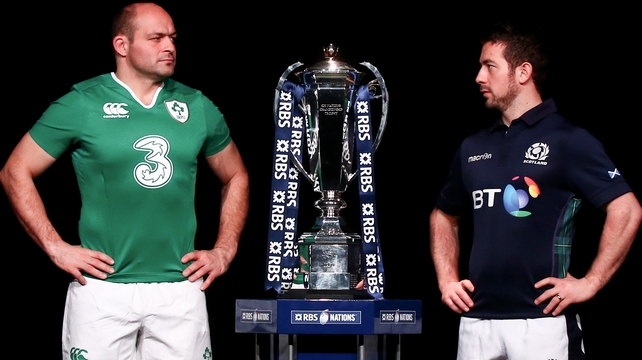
<point x="379" y="82"/>
<point x="275" y="107"/>
<point x="283" y="78"/>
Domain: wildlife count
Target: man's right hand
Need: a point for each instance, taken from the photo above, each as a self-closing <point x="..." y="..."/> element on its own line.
<point x="456" y="295"/>
<point x="77" y="261"/>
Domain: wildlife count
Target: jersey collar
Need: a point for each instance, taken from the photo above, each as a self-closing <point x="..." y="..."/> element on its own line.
<point x="534" y="115"/>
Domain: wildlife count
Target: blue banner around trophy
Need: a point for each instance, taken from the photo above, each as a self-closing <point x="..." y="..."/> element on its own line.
<point x="373" y="262"/>
<point x="283" y="256"/>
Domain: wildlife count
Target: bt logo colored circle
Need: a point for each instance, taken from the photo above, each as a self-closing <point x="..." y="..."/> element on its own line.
<point x="516" y="198"/>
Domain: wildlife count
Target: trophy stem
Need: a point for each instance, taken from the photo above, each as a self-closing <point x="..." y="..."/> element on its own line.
<point x="330" y="203"/>
<point x="329" y="225"/>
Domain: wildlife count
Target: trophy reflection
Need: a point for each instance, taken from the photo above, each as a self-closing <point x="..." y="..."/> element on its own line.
<point x="331" y="255"/>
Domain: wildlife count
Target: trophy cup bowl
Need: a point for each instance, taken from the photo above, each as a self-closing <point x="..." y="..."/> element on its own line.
<point x="330" y="253"/>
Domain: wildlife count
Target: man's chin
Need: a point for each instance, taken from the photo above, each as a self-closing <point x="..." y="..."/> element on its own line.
<point x="168" y="70"/>
<point x="492" y="106"/>
<point x="167" y="73"/>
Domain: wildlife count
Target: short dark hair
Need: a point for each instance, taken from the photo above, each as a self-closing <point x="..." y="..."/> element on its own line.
<point x="523" y="43"/>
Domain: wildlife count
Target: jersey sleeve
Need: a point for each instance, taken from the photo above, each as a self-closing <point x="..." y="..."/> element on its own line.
<point x="218" y="134"/>
<point x="57" y="128"/>
<point x="592" y="172"/>
<point x="452" y="197"/>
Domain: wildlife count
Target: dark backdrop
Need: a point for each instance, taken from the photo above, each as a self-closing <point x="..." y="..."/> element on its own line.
<point x="236" y="53"/>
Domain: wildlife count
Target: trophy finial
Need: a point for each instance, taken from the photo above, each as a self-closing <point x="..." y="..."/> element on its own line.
<point x="330" y="51"/>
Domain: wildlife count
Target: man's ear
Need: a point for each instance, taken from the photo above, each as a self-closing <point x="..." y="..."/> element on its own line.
<point x="121" y="44"/>
<point x="524" y="72"/>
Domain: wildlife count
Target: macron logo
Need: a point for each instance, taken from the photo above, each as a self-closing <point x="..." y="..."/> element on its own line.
<point x="115" y="111"/>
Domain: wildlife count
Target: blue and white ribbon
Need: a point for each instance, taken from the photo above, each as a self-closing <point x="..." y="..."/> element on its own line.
<point x="282" y="253"/>
<point x="372" y="260"/>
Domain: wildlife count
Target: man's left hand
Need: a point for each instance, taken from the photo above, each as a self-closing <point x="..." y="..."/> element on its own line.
<point x="207" y="264"/>
<point x="564" y="292"/>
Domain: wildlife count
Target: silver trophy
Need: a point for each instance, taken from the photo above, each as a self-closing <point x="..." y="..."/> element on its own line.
<point x="330" y="253"/>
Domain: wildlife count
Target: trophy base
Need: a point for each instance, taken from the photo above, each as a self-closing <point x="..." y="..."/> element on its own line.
<point x="352" y="294"/>
<point x="330" y="259"/>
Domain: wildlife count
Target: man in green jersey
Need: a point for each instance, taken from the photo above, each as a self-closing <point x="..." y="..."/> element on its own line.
<point x="135" y="137"/>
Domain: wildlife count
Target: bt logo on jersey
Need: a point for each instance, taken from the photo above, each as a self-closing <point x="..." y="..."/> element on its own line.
<point x="515" y="199"/>
<point x="516" y="196"/>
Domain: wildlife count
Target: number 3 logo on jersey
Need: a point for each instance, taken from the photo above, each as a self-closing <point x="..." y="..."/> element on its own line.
<point x="157" y="169"/>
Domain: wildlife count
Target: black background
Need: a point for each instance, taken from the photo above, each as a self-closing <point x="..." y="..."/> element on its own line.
<point x="236" y="53"/>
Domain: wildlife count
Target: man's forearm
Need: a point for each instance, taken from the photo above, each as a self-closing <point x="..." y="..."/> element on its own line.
<point x="444" y="247"/>
<point x="620" y="228"/>
<point x="234" y="211"/>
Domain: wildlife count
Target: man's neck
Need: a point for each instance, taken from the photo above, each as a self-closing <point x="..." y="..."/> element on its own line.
<point x="143" y="87"/>
<point x="521" y="104"/>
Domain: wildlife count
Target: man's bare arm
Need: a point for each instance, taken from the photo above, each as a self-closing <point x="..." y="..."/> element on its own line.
<point x="444" y="248"/>
<point x="230" y="169"/>
<point x="623" y="216"/>
<point x="27" y="161"/>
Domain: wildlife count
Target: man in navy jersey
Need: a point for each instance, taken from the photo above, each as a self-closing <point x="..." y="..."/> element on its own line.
<point x="136" y="136"/>
<point x="524" y="178"/>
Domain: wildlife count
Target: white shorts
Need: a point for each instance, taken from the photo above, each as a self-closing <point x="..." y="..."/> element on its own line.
<point x="146" y="321"/>
<point x="545" y="338"/>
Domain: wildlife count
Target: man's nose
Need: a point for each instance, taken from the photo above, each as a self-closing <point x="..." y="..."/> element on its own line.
<point x="168" y="45"/>
<point x="480" y="77"/>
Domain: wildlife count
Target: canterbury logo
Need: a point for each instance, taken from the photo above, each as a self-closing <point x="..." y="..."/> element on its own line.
<point x="77" y="354"/>
<point x="115" y="110"/>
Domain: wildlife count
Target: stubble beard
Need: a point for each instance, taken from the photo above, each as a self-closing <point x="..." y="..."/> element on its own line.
<point x="502" y="103"/>
<point x="167" y="73"/>
<point x="160" y="74"/>
<point x="166" y="70"/>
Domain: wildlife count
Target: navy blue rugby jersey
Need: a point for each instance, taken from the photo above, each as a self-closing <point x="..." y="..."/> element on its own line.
<point x="525" y="184"/>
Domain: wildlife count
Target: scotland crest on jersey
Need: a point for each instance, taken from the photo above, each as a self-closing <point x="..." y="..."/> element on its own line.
<point x="178" y="110"/>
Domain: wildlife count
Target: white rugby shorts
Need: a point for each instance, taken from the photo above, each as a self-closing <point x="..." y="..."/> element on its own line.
<point x="147" y="321"/>
<point x="544" y="338"/>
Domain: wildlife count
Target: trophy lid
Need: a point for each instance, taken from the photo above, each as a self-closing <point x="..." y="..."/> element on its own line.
<point x="331" y="65"/>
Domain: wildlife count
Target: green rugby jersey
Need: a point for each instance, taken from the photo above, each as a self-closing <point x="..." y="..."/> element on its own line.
<point x="136" y="169"/>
